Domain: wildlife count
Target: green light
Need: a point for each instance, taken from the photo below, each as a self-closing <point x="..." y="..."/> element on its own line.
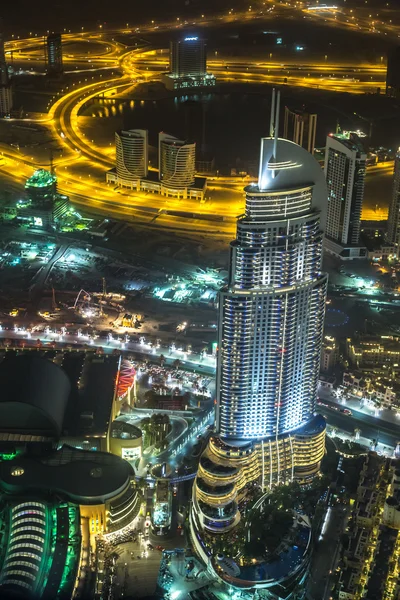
<point x="8" y="456"/>
<point x="40" y="179"/>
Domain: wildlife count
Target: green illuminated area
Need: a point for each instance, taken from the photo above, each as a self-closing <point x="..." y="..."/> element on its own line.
<point x="41" y="179"/>
<point x="60" y="543"/>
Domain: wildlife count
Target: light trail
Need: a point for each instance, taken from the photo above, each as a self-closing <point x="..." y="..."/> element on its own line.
<point x="226" y="202"/>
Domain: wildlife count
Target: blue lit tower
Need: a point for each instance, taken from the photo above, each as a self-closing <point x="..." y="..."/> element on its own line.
<point x="271" y="317"/>
<point x="272" y="312"/>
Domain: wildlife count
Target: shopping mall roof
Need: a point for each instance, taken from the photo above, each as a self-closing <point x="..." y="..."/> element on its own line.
<point x="27" y="401"/>
<point x="72" y="398"/>
<point x="78" y="476"/>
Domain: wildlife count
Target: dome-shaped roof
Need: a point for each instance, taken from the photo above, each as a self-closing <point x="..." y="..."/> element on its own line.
<point x="33" y="395"/>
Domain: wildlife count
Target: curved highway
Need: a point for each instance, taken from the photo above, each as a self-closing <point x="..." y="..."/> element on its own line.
<point x="225" y="201"/>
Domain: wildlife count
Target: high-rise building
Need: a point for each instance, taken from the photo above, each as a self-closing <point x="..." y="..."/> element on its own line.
<point x="176" y="161"/>
<point x="3" y="63"/>
<point x="393" y="73"/>
<point x="301" y="128"/>
<point x="188" y="57"/>
<point x="271" y="317"/>
<point x="394" y="208"/>
<point x="54" y="54"/>
<point x="6" y="92"/>
<point x="345" y="163"/>
<point x="6" y="100"/>
<point x="132" y="150"/>
<point x="188" y="64"/>
<point x="176" y="176"/>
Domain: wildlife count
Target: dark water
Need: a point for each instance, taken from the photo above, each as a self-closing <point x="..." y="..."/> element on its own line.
<point x="227" y="127"/>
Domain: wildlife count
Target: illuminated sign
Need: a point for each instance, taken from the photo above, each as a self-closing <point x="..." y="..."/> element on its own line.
<point x="191" y="39"/>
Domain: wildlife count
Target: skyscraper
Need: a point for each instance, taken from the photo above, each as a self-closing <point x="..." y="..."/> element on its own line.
<point x="54" y="54"/>
<point x="176" y="161"/>
<point x="345" y="161"/>
<point x="393" y="73"/>
<point x="394" y="208"/>
<point x="300" y="127"/>
<point x="188" y="57"/>
<point x="188" y="64"/>
<point x="271" y="317"/>
<point x="132" y="150"/>
<point x="3" y="63"/>
<point x="6" y="95"/>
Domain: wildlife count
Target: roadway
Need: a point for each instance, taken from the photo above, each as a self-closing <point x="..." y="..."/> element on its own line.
<point x="85" y="163"/>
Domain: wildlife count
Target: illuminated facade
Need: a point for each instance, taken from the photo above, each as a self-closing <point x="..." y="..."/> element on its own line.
<point x="188" y="57"/>
<point x="6" y="92"/>
<point x="301" y="128"/>
<point x="176" y="176"/>
<point x="132" y="149"/>
<point x="42" y="550"/>
<point x="54" y="54"/>
<point x="176" y="161"/>
<point x="161" y="513"/>
<point x="3" y="63"/>
<point x="345" y="161"/>
<point x="394" y="208"/>
<point x="188" y="64"/>
<point x="271" y="318"/>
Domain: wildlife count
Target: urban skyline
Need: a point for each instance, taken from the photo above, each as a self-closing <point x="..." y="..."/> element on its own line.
<point x="199" y="331"/>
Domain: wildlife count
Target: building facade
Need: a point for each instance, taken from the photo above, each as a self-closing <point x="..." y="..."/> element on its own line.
<point x="345" y="162"/>
<point x="271" y="318"/>
<point x="330" y="354"/>
<point x="176" y="176"/>
<point x="54" y="56"/>
<point x="6" y="100"/>
<point x="188" y="57"/>
<point x="300" y="127"/>
<point x="188" y="64"/>
<point x="393" y="73"/>
<point x="394" y="208"/>
<point x="3" y="63"/>
<point x="132" y="151"/>
<point x="176" y="161"/>
<point x="6" y="92"/>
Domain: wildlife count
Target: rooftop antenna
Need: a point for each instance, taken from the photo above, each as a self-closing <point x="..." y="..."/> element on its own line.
<point x="272" y="118"/>
<point x="276" y="125"/>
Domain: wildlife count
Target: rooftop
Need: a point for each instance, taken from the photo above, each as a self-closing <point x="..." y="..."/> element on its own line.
<point x="81" y="476"/>
<point x="84" y="382"/>
<point x="40" y="179"/>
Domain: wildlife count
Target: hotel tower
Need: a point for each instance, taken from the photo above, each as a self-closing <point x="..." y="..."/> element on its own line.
<point x="271" y="317"/>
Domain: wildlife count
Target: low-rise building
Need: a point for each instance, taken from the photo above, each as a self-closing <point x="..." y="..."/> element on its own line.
<point x="366" y="351"/>
<point x="363" y="547"/>
<point x="329" y="354"/>
<point x="374" y="387"/>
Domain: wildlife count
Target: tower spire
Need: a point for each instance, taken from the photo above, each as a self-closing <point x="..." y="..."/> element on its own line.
<point x="276" y="123"/>
<point x="272" y="117"/>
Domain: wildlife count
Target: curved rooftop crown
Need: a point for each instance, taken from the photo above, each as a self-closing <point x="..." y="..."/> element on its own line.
<point x="285" y="166"/>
